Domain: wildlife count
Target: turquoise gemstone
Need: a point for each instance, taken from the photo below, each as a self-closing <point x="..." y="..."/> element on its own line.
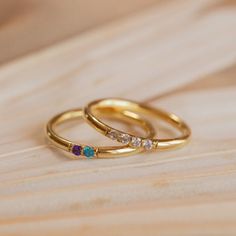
<point x="88" y="152"/>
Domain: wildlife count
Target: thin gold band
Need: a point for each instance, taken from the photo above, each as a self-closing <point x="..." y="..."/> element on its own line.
<point x="119" y="105"/>
<point x="99" y="152"/>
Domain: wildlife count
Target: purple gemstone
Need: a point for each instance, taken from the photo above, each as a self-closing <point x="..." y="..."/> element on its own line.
<point x="77" y="150"/>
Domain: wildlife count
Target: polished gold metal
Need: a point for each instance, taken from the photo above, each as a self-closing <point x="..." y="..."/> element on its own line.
<point x="114" y="106"/>
<point x="99" y="152"/>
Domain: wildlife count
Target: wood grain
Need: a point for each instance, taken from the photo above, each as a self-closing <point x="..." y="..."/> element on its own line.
<point x="30" y="25"/>
<point x="180" y="56"/>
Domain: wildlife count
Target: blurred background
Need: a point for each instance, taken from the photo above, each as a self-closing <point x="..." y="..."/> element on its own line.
<point x="29" y="25"/>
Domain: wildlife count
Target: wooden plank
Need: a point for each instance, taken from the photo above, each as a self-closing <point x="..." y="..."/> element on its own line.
<point x="179" y="56"/>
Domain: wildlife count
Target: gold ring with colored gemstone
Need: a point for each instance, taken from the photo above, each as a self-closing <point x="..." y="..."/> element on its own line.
<point x="91" y="151"/>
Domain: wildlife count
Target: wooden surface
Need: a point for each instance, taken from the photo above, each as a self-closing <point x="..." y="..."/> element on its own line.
<point x="30" y="25"/>
<point x="180" y="56"/>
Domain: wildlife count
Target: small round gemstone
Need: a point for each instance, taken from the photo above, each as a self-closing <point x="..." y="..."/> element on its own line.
<point x="77" y="150"/>
<point x="124" y="138"/>
<point x="112" y="135"/>
<point x="147" y="144"/>
<point x="88" y="152"/>
<point x="136" y="142"/>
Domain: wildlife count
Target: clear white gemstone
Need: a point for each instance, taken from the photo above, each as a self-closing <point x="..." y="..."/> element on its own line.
<point x="147" y="144"/>
<point x="136" y="142"/>
<point x="112" y="135"/>
<point x="124" y="138"/>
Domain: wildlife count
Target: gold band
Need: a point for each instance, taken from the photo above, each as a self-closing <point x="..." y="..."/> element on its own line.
<point x="89" y="151"/>
<point x="119" y="105"/>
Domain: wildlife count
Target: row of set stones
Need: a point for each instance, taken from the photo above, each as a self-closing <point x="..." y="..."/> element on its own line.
<point x="85" y="151"/>
<point x="131" y="140"/>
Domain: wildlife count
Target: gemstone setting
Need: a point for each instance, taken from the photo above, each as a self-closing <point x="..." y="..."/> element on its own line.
<point x="124" y="138"/>
<point x="112" y="135"/>
<point x="88" y="152"/>
<point x="147" y="144"/>
<point x="76" y="150"/>
<point x="136" y="142"/>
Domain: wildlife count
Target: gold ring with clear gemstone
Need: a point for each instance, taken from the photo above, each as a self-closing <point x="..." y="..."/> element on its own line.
<point x="113" y="106"/>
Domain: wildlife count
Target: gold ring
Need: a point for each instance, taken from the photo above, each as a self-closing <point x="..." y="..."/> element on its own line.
<point x="114" y="106"/>
<point x="91" y="151"/>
